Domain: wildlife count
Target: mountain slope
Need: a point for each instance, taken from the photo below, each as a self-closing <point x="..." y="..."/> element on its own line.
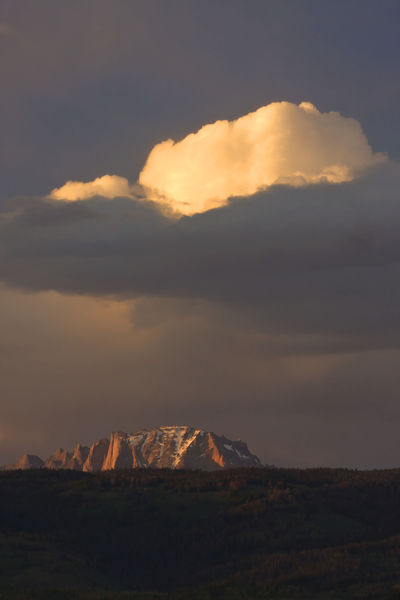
<point x="27" y="461"/>
<point x="173" y="447"/>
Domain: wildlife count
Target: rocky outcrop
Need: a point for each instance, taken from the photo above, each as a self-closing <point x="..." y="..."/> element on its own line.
<point x="96" y="457"/>
<point x="78" y="457"/>
<point x="173" y="447"/>
<point x="59" y="460"/>
<point x="120" y="453"/>
<point x="27" y="461"/>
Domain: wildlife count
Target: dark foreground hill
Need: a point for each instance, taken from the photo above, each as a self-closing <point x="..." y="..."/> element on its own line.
<point x="244" y="533"/>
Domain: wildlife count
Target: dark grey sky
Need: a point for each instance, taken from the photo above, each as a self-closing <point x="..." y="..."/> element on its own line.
<point x="275" y="318"/>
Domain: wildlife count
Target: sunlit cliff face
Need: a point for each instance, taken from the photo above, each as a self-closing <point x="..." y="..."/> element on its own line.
<point x="279" y="143"/>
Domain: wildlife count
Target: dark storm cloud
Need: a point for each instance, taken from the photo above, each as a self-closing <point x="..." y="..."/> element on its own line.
<point x="35" y="212"/>
<point x="274" y="318"/>
<point x="321" y="260"/>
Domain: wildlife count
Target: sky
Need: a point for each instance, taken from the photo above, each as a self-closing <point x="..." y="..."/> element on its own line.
<point x="199" y="224"/>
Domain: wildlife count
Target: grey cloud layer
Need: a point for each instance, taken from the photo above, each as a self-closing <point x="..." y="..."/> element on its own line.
<point x="318" y="261"/>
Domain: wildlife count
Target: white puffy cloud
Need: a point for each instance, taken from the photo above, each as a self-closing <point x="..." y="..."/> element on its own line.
<point x="108" y="186"/>
<point x="278" y="143"/>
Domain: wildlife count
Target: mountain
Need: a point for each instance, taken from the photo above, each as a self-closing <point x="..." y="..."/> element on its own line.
<point x="27" y="461"/>
<point x="62" y="459"/>
<point x="173" y="447"/>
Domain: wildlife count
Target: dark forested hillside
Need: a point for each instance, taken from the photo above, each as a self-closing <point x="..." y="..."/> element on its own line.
<point x="244" y="533"/>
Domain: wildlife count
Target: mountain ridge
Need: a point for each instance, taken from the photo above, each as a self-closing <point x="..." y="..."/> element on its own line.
<point x="168" y="446"/>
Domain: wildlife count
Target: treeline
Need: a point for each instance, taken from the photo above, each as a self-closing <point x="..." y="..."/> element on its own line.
<point x="246" y="533"/>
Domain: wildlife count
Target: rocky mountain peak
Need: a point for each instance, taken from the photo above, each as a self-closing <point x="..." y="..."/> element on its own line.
<point x="27" y="461"/>
<point x="169" y="446"/>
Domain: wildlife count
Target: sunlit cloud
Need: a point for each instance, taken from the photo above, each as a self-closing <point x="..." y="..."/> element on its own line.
<point x="281" y="143"/>
<point x="108" y="186"/>
<point x="278" y="143"/>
